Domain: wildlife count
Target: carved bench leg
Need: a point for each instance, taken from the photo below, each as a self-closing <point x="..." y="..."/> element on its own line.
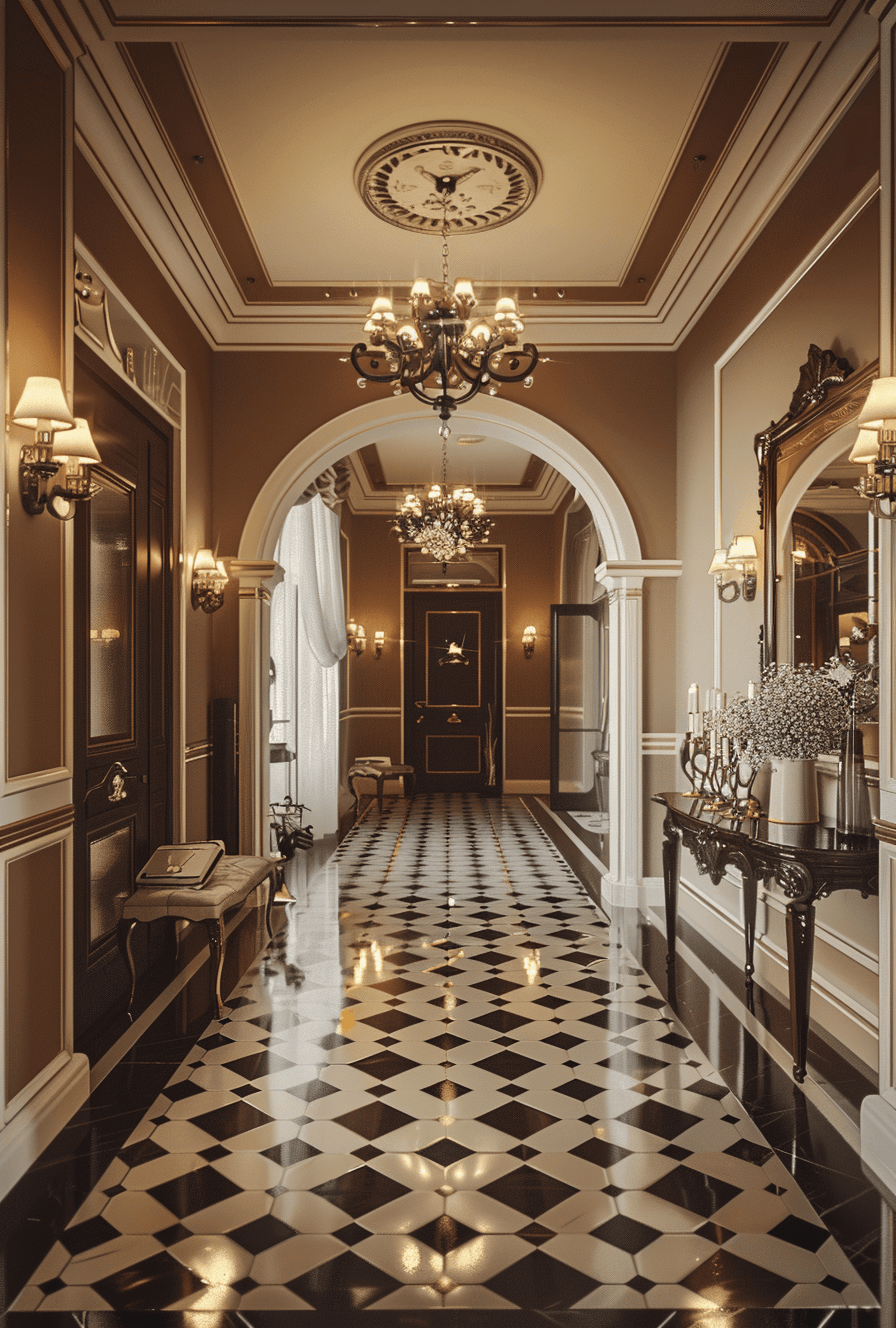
<point x="124" y="933"/>
<point x="215" y="929"/>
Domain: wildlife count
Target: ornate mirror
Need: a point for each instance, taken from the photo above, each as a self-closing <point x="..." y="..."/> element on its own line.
<point x="828" y="396"/>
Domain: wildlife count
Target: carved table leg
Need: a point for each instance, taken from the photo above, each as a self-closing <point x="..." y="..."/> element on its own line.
<point x="750" y="891"/>
<point x="800" y="945"/>
<point x="215" y="929"/>
<point x="671" y="860"/>
<point x="125" y="931"/>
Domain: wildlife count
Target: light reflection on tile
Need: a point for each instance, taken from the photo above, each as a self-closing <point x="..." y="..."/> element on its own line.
<point x="483" y="1104"/>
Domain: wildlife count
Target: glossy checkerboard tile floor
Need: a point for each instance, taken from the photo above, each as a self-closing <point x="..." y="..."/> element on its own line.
<point x="445" y="1084"/>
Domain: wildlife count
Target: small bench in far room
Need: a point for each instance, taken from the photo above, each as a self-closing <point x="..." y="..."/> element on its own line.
<point x="379" y="769"/>
<point x="232" y="881"/>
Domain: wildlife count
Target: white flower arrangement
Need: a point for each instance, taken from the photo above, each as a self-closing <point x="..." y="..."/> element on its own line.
<point x="797" y="713"/>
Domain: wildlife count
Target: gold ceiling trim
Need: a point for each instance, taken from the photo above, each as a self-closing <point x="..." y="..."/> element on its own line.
<point x="171" y="99"/>
<point x="621" y="20"/>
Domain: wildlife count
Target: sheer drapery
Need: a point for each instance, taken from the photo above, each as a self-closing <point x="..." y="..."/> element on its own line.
<point x="307" y="643"/>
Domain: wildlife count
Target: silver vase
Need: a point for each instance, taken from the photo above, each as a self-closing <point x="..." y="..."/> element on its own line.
<point x="853" y="807"/>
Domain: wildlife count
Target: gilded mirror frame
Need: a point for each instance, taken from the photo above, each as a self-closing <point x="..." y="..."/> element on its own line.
<point x="828" y="395"/>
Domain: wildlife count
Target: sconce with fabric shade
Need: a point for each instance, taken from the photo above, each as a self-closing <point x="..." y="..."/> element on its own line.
<point x="734" y="569"/>
<point x="43" y="408"/>
<point x="529" y="638"/>
<point x="356" y="636"/>
<point x="875" y="448"/>
<point x="208" y="582"/>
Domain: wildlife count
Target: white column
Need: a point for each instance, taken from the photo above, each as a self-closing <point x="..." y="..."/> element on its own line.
<point x="624" y="582"/>
<point x="256" y="582"/>
<point x="878" y="1119"/>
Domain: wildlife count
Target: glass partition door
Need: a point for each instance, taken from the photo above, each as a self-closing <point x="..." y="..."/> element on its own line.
<point x="579" y="710"/>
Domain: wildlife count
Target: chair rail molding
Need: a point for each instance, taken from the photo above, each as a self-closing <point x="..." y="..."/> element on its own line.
<point x="623" y="580"/>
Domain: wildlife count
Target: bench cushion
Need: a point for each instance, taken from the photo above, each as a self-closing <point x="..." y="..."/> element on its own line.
<point x="232" y="880"/>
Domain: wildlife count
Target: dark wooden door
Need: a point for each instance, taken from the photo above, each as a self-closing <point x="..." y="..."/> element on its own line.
<point x="123" y="678"/>
<point x="452" y="691"/>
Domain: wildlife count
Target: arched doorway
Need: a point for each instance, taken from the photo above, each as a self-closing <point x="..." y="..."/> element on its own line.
<point x="622" y="572"/>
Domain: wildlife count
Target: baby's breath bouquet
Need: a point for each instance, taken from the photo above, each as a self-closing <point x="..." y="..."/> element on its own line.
<point x="797" y="713"/>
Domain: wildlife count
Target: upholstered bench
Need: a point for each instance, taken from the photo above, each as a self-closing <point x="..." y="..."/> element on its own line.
<point x="380" y="772"/>
<point x="232" y="881"/>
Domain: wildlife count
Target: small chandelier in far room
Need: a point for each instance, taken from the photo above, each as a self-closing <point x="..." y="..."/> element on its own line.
<point x="445" y="523"/>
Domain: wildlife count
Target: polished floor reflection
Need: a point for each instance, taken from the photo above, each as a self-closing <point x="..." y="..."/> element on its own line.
<point x="447" y="1084"/>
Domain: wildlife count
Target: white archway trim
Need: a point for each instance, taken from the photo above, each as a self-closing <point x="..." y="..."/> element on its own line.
<point x="505" y="420"/>
<point x="622" y="573"/>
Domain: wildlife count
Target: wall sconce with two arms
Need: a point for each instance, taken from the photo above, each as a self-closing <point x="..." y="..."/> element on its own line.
<point x="63" y="451"/>
<point x="875" y="448"/>
<point x="356" y="637"/>
<point x="734" y="569"/>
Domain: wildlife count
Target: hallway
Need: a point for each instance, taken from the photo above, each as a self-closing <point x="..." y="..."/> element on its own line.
<point x="447" y="1085"/>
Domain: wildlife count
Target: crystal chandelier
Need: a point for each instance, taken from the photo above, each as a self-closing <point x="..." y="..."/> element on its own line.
<point x="444" y="523"/>
<point x="445" y="353"/>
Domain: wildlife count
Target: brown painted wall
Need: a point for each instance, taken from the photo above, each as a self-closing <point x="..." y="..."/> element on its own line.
<point x="620" y="405"/>
<point x="37" y="269"/>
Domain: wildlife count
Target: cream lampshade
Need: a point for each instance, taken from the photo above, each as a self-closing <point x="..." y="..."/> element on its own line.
<point x="866" y="448"/>
<point x="879" y="410"/>
<point x="76" y="445"/>
<point x="43" y="406"/>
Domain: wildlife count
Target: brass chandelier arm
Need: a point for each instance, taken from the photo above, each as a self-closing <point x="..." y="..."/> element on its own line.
<point x="516" y="376"/>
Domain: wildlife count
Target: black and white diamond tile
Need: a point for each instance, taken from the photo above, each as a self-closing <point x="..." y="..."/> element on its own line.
<point x="446" y="1085"/>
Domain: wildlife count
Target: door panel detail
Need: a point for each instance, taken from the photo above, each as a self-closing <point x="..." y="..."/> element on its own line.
<point x="461" y="755"/>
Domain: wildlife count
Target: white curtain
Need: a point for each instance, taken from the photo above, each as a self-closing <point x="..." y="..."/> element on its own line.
<point x="307" y="643"/>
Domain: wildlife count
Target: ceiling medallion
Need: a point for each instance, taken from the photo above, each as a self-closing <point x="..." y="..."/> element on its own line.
<point x="470" y="175"/>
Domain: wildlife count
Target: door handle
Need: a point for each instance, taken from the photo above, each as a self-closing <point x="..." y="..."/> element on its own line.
<point x="421" y="706"/>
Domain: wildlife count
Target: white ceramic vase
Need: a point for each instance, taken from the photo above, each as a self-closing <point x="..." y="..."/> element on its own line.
<point x="793" y="792"/>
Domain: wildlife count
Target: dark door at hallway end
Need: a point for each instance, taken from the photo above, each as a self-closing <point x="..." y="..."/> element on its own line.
<point x="452" y="690"/>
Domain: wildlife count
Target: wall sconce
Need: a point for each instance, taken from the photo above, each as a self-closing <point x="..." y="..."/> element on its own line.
<point x="43" y="408"/>
<point x="209" y="579"/>
<point x="356" y="636"/>
<point x="875" y="448"/>
<point x="734" y="569"/>
<point x="104" y="636"/>
<point x="379" y="640"/>
<point x="529" y="639"/>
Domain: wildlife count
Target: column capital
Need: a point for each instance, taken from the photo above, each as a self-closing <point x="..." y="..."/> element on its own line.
<point x="629" y="575"/>
<point x="256" y="579"/>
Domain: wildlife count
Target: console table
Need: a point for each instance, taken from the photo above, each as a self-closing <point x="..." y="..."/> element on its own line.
<point x="809" y="862"/>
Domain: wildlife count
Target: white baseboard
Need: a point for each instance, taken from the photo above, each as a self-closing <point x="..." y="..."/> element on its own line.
<point x="527" y="786"/>
<point x="878" y="1139"/>
<point x="24" y="1138"/>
